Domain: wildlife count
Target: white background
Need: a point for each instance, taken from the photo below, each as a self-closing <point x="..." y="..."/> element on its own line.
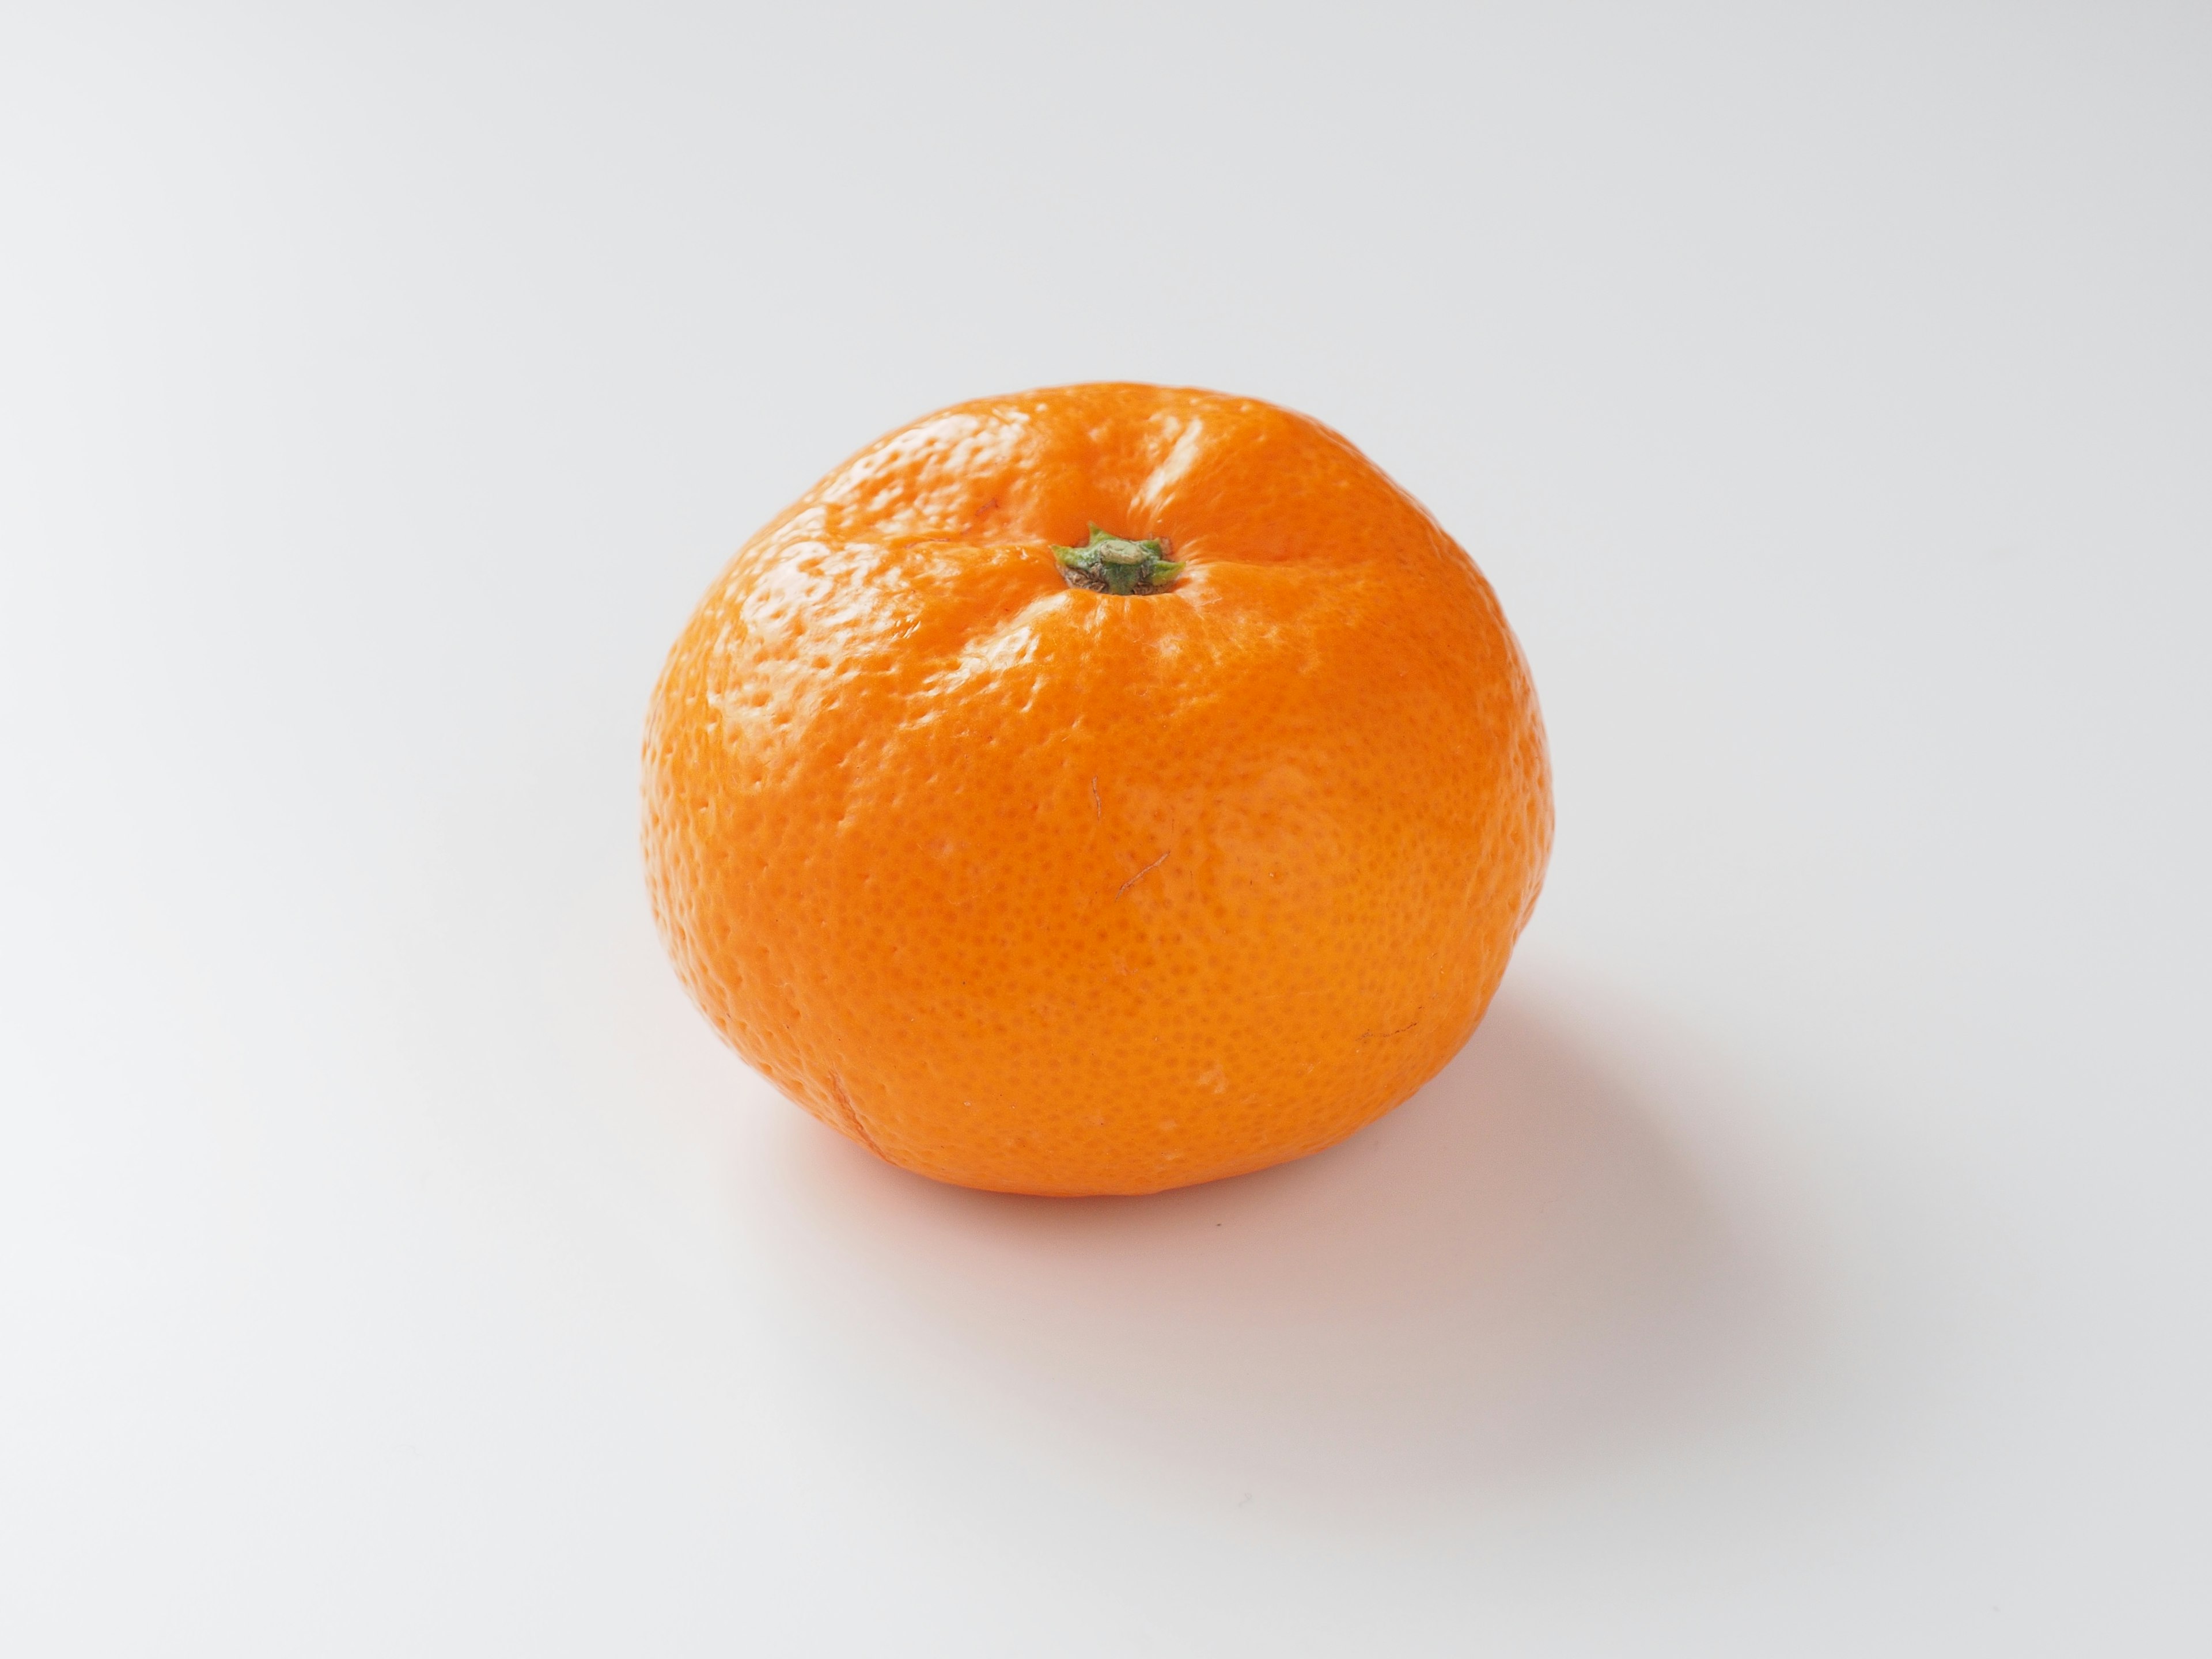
<point x="1811" y="1255"/>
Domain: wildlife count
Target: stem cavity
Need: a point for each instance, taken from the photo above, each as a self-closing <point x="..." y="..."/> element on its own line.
<point x="1115" y="564"/>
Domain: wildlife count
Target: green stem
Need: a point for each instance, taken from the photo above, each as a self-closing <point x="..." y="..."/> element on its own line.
<point x="1115" y="564"/>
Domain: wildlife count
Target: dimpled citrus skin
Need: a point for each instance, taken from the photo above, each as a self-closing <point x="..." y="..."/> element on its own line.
<point x="1043" y="890"/>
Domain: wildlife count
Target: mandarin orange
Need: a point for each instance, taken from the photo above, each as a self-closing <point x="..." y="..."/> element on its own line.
<point x="1096" y="790"/>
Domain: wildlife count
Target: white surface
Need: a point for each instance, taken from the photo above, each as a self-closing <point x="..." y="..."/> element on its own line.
<point x="1810" y="1256"/>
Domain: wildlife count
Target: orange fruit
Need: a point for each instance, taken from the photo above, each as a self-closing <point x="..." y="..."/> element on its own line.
<point x="1096" y="790"/>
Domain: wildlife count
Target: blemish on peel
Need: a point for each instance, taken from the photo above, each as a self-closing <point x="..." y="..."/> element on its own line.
<point x="1141" y="874"/>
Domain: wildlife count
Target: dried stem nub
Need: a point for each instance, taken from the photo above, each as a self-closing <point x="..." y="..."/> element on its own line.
<point x="1108" y="564"/>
